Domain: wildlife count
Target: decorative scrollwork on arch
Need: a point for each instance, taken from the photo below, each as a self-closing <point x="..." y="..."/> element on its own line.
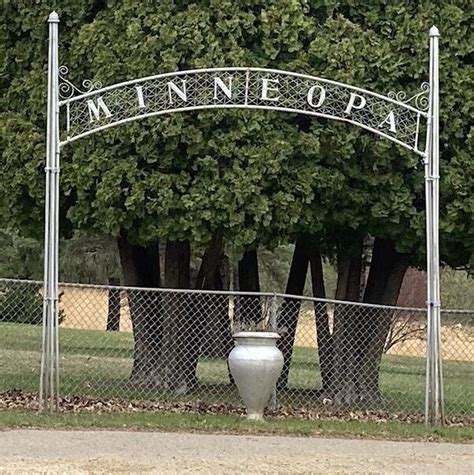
<point x="67" y="89"/>
<point x="421" y="100"/>
<point x="395" y="117"/>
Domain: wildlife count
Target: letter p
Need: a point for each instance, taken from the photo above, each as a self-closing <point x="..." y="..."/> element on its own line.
<point x="352" y="104"/>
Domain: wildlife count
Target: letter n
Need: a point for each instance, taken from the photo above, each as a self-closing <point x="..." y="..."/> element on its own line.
<point x="181" y="93"/>
<point x="226" y="89"/>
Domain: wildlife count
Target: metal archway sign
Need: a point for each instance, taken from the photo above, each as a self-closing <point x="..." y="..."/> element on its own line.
<point x="100" y="108"/>
<point x="411" y="122"/>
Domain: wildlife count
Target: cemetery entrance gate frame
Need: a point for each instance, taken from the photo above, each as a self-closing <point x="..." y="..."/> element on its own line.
<point x="73" y="113"/>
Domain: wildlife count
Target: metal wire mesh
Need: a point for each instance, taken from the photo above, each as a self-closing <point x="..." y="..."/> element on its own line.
<point x="163" y="345"/>
<point x="395" y="116"/>
<point x="21" y="308"/>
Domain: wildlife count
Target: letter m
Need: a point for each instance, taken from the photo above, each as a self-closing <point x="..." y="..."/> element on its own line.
<point x="95" y="109"/>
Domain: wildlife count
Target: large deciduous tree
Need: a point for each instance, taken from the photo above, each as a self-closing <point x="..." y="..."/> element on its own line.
<point x="179" y="180"/>
<point x="230" y="182"/>
<point x="381" y="186"/>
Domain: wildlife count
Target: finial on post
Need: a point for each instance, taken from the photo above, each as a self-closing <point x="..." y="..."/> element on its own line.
<point x="53" y="18"/>
<point x="434" y="31"/>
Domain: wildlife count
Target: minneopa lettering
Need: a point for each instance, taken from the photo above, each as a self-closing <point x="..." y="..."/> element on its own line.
<point x="268" y="91"/>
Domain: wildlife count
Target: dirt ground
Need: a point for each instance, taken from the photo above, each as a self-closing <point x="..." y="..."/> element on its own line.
<point x="87" y="309"/>
<point x="47" y="451"/>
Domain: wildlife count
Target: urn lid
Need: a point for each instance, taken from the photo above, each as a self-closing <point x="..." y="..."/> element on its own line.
<point x="271" y="335"/>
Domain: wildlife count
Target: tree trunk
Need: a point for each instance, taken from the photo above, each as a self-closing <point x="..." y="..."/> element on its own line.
<point x="288" y="316"/>
<point x="360" y="332"/>
<point x="207" y="278"/>
<point x="323" y="331"/>
<point x="413" y="289"/>
<point x="141" y="268"/>
<point x="383" y="286"/>
<point x="113" y="307"/>
<point x="175" y="370"/>
<point x="349" y="276"/>
<point x="342" y="385"/>
<point x="249" y="280"/>
<point x="215" y="334"/>
<point x="249" y="311"/>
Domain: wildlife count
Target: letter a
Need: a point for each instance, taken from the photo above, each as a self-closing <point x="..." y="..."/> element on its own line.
<point x="352" y="104"/>
<point x="390" y="119"/>
<point x="94" y="110"/>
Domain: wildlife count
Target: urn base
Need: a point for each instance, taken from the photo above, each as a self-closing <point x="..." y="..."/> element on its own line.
<point x="255" y="417"/>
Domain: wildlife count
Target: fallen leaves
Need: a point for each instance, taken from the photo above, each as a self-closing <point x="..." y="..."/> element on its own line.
<point x="21" y="400"/>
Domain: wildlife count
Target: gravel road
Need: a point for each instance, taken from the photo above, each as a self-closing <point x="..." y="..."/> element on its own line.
<point x="54" y="451"/>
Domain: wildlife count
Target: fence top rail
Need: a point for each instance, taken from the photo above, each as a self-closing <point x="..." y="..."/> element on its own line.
<point x="457" y="310"/>
<point x="229" y="293"/>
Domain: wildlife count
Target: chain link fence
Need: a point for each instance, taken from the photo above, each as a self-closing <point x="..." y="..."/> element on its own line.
<point x="166" y="345"/>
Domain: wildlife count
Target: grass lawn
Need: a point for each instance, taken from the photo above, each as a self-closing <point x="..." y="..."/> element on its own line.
<point x="234" y="425"/>
<point x="97" y="364"/>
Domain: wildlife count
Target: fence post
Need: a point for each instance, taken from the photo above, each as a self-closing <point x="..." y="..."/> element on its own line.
<point x="273" y="326"/>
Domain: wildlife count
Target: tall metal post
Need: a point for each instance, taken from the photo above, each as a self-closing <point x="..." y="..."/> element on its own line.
<point x="49" y="359"/>
<point x="274" y="327"/>
<point x="434" y="408"/>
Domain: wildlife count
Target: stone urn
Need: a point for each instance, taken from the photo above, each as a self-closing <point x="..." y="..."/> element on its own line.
<point x="255" y="364"/>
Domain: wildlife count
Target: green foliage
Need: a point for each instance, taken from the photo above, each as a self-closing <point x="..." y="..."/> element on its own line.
<point x="21" y="306"/>
<point x="20" y="258"/>
<point x="457" y="289"/>
<point x="85" y="258"/>
<point x="257" y="177"/>
<point x="89" y="259"/>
